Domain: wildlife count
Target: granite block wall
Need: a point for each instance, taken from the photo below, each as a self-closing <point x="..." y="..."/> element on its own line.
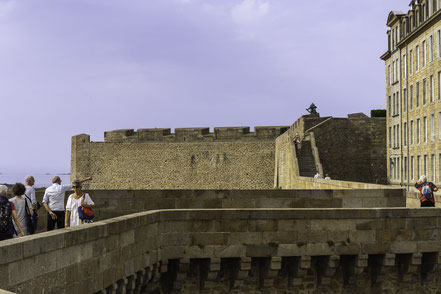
<point x="350" y="149"/>
<point x="115" y="203"/>
<point x="228" y="158"/>
<point x="390" y="250"/>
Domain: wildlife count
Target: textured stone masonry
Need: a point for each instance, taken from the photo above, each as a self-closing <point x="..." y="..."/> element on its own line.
<point x="389" y="250"/>
<point x="228" y="158"/>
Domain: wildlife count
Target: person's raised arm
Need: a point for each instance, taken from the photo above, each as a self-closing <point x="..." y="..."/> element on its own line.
<point x="86" y="179"/>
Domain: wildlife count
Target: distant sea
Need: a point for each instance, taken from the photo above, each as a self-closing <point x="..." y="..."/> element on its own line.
<point x="41" y="180"/>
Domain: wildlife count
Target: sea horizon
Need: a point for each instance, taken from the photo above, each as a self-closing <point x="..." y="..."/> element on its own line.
<point x="41" y="179"/>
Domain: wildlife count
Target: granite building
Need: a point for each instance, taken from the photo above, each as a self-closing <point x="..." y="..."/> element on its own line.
<point x="413" y="79"/>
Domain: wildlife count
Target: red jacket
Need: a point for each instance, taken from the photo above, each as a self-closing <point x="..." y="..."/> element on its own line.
<point x="420" y="188"/>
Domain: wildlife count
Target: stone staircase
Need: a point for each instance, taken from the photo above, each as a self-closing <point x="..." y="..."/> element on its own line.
<point x="306" y="160"/>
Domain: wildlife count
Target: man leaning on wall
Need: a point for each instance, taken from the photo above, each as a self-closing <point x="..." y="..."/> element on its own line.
<point x="53" y="201"/>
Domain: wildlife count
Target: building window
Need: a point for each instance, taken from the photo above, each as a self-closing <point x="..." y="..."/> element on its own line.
<point x="417" y="58"/>
<point x="439" y="167"/>
<point x="418" y="131"/>
<point x="393" y="72"/>
<point x="418" y="94"/>
<point x="390" y="106"/>
<point x="398" y="136"/>
<point x="439" y="125"/>
<point x="405" y="134"/>
<point x="410" y="62"/>
<point x="439" y="85"/>
<point x="411" y="97"/>
<point x="398" y="169"/>
<point x="390" y="137"/>
<point x="424" y="91"/>
<point x="418" y="166"/>
<point x="390" y="75"/>
<point x="405" y="168"/>
<point x="432" y="127"/>
<point x="433" y="165"/>
<point x="405" y="66"/>
<point x="412" y="160"/>
<point x="391" y="168"/>
<point x="431" y="48"/>
<point x="393" y="104"/>
<point x="394" y="138"/>
<point x="425" y="165"/>
<point x="439" y="43"/>
<point x="411" y="132"/>
<point x="397" y="101"/>
<point x="425" y="129"/>
<point x="424" y="53"/>
<point x="405" y="100"/>
<point x="432" y="88"/>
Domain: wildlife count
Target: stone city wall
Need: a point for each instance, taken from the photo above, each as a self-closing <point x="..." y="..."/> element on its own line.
<point x="114" y="203"/>
<point x="229" y="158"/>
<point x="287" y="171"/>
<point x="385" y="250"/>
<point x="350" y="149"/>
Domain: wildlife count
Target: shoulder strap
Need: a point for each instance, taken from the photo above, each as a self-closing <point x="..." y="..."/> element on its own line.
<point x="28" y="198"/>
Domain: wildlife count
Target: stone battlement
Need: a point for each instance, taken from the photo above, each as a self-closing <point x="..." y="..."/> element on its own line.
<point x="194" y="134"/>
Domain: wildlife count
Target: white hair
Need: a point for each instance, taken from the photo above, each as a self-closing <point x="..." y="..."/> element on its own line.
<point x="28" y="178"/>
<point x="3" y="190"/>
<point x="423" y="179"/>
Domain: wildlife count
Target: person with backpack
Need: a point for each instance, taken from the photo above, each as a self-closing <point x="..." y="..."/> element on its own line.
<point x="23" y="209"/>
<point x="427" y="199"/>
<point x="7" y="213"/>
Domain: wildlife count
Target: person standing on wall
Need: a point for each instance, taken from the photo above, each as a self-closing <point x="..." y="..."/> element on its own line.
<point x="53" y="201"/>
<point x="30" y="192"/>
<point x="426" y="189"/>
<point x="23" y="208"/>
<point x="30" y="195"/>
<point x="7" y="213"/>
<point x="75" y="200"/>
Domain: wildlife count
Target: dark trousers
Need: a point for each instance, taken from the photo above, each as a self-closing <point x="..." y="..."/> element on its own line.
<point x="59" y="221"/>
<point x="427" y="204"/>
<point x="5" y="237"/>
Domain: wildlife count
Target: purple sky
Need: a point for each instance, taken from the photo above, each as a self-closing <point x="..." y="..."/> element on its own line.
<point x="88" y="66"/>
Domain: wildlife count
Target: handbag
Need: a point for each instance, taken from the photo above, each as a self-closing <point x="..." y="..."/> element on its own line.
<point x="85" y="213"/>
<point x="29" y="220"/>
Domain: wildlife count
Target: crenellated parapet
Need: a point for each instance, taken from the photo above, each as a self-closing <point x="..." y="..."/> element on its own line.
<point x="194" y="134"/>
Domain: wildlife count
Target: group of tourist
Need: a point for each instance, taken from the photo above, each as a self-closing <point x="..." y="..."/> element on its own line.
<point x="19" y="215"/>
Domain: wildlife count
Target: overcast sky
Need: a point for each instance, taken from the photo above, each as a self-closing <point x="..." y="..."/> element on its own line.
<point x="88" y="66"/>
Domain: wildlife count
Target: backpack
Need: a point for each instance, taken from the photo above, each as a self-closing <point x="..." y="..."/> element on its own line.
<point x="5" y="217"/>
<point x="427" y="192"/>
